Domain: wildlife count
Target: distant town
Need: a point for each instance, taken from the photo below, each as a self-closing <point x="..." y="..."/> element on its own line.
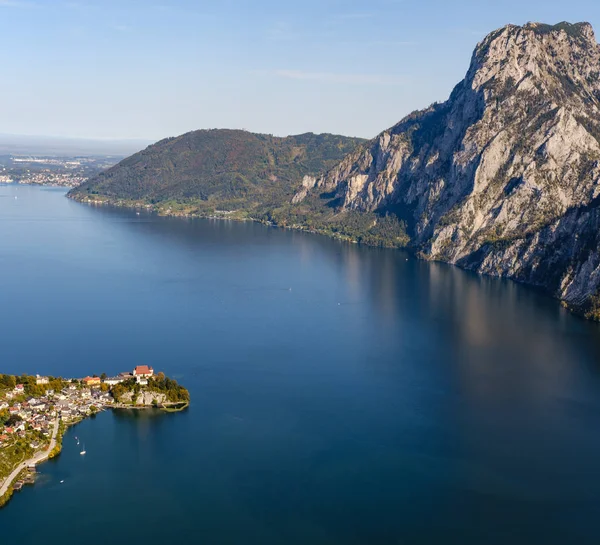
<point x="35" y="411"/>
<point x="52" y="171"/>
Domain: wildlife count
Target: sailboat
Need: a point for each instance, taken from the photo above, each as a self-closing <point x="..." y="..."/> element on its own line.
<point x="83" y="451"/>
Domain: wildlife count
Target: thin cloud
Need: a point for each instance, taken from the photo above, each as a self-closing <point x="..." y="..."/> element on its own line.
<point x="77" y="6"/>
<point x="15" y="4"/>
<point x="379" y="43"/>
<point x="469" y="31"/>
<point x="363" y="15"/>
<point x="282" y="31"/>
<point x="340" y="78"/>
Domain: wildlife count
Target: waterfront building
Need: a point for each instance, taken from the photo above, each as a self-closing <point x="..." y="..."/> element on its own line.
<point x="143" y="371"/>
<point x="41" y="380"/>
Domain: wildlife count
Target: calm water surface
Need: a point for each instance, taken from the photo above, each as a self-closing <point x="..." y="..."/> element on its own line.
<point x="341" y="395"/>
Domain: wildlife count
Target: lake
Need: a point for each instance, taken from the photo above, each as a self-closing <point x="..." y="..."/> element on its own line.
<point x="340" y="394"/>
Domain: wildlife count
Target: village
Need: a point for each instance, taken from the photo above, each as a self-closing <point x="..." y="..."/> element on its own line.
<point x="77" y="399"/>
<point x="51" y="170"/>
<point x="35" y="410"/>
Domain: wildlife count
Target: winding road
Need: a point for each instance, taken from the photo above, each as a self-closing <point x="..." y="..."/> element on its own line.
<point x="39" y="457"/>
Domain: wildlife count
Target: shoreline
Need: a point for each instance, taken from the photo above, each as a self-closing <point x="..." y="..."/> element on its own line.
<point x="55" y="448"/>
<point x="229" y="215"/>
<point x="7" y="490"/>
<point x="33" y="184"/>
<point x="153" y="209"/>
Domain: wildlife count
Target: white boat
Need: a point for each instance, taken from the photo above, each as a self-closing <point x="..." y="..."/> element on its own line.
<point x="83" y="451"/>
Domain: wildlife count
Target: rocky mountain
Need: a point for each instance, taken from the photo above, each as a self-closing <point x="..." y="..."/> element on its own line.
<point x="204" y="170"/>
<point x="504" y="177"/>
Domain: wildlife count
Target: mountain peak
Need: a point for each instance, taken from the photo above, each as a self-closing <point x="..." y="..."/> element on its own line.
<point x="562" y="34"/>
<point x="574" y="30"/>
<point x="504" y="177"/>
<point x="546" y="59"/>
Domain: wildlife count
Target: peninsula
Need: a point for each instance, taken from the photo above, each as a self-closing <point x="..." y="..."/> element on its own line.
<point x="36" y="410"/>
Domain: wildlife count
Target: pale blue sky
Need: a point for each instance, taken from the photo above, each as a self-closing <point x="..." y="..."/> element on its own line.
<point x="150" y="69"/>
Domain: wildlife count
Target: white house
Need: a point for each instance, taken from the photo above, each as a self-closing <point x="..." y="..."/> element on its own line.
<point x="111" y="381"/>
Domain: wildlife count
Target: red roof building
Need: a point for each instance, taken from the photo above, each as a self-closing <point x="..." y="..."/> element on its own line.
<point x="143" y="371"/>
<point x="88" y="381"/>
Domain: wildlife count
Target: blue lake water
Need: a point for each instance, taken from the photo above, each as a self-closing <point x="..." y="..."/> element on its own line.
<point x="340" y="394"/>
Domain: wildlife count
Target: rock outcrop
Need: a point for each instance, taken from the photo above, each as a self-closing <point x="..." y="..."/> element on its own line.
<point x="504" y="177"/>
<point x="146" y="398"/>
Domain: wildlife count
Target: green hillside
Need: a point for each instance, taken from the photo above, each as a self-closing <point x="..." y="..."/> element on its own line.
<point x="228" y="170"/>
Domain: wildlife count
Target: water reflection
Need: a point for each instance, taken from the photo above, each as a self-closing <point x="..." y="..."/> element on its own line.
<point x="484" y="320"/>
<point x="382" y="399"/>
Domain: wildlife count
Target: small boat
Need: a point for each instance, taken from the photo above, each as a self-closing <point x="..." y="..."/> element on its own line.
<point x="83" y="451"/>
<point x="62" y="481"/>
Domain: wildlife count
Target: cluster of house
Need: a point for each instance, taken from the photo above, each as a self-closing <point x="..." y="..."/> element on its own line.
<point x="71" y="403"/>
<point x="34" y="412"/>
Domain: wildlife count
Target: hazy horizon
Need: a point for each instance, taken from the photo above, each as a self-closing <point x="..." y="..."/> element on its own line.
<point x="40" y="144"/>
<point x="37" y="144"/>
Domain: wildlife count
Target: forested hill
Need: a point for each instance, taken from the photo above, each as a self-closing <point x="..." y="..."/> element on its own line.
<point x="218" y="169"/>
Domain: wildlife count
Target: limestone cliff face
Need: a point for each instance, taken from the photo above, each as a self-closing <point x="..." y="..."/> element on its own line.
<point x="146" y="398"/>
<point x="504" y="177"/>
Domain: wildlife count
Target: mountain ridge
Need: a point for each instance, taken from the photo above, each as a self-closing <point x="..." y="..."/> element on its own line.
<point x="503" y="177"/>
<point x="218" y="167"/>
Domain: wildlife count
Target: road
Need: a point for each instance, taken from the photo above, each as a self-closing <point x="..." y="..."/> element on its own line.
<point x="39" y="457"/>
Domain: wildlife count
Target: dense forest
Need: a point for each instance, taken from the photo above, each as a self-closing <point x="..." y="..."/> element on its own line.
<point x="220" y="169"/>
<point x="242" y="175"/>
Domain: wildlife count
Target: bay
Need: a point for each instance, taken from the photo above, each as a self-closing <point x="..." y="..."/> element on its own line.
<point x="340" y="394"/>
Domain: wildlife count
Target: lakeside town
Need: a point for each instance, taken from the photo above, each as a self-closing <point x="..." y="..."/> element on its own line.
<point x="35" y="411"/>
<point x="44" y="177"/>
<point x="52" y="171"/>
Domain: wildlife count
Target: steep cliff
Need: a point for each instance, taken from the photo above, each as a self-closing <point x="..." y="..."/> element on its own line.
<point x="503" y="177"/>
